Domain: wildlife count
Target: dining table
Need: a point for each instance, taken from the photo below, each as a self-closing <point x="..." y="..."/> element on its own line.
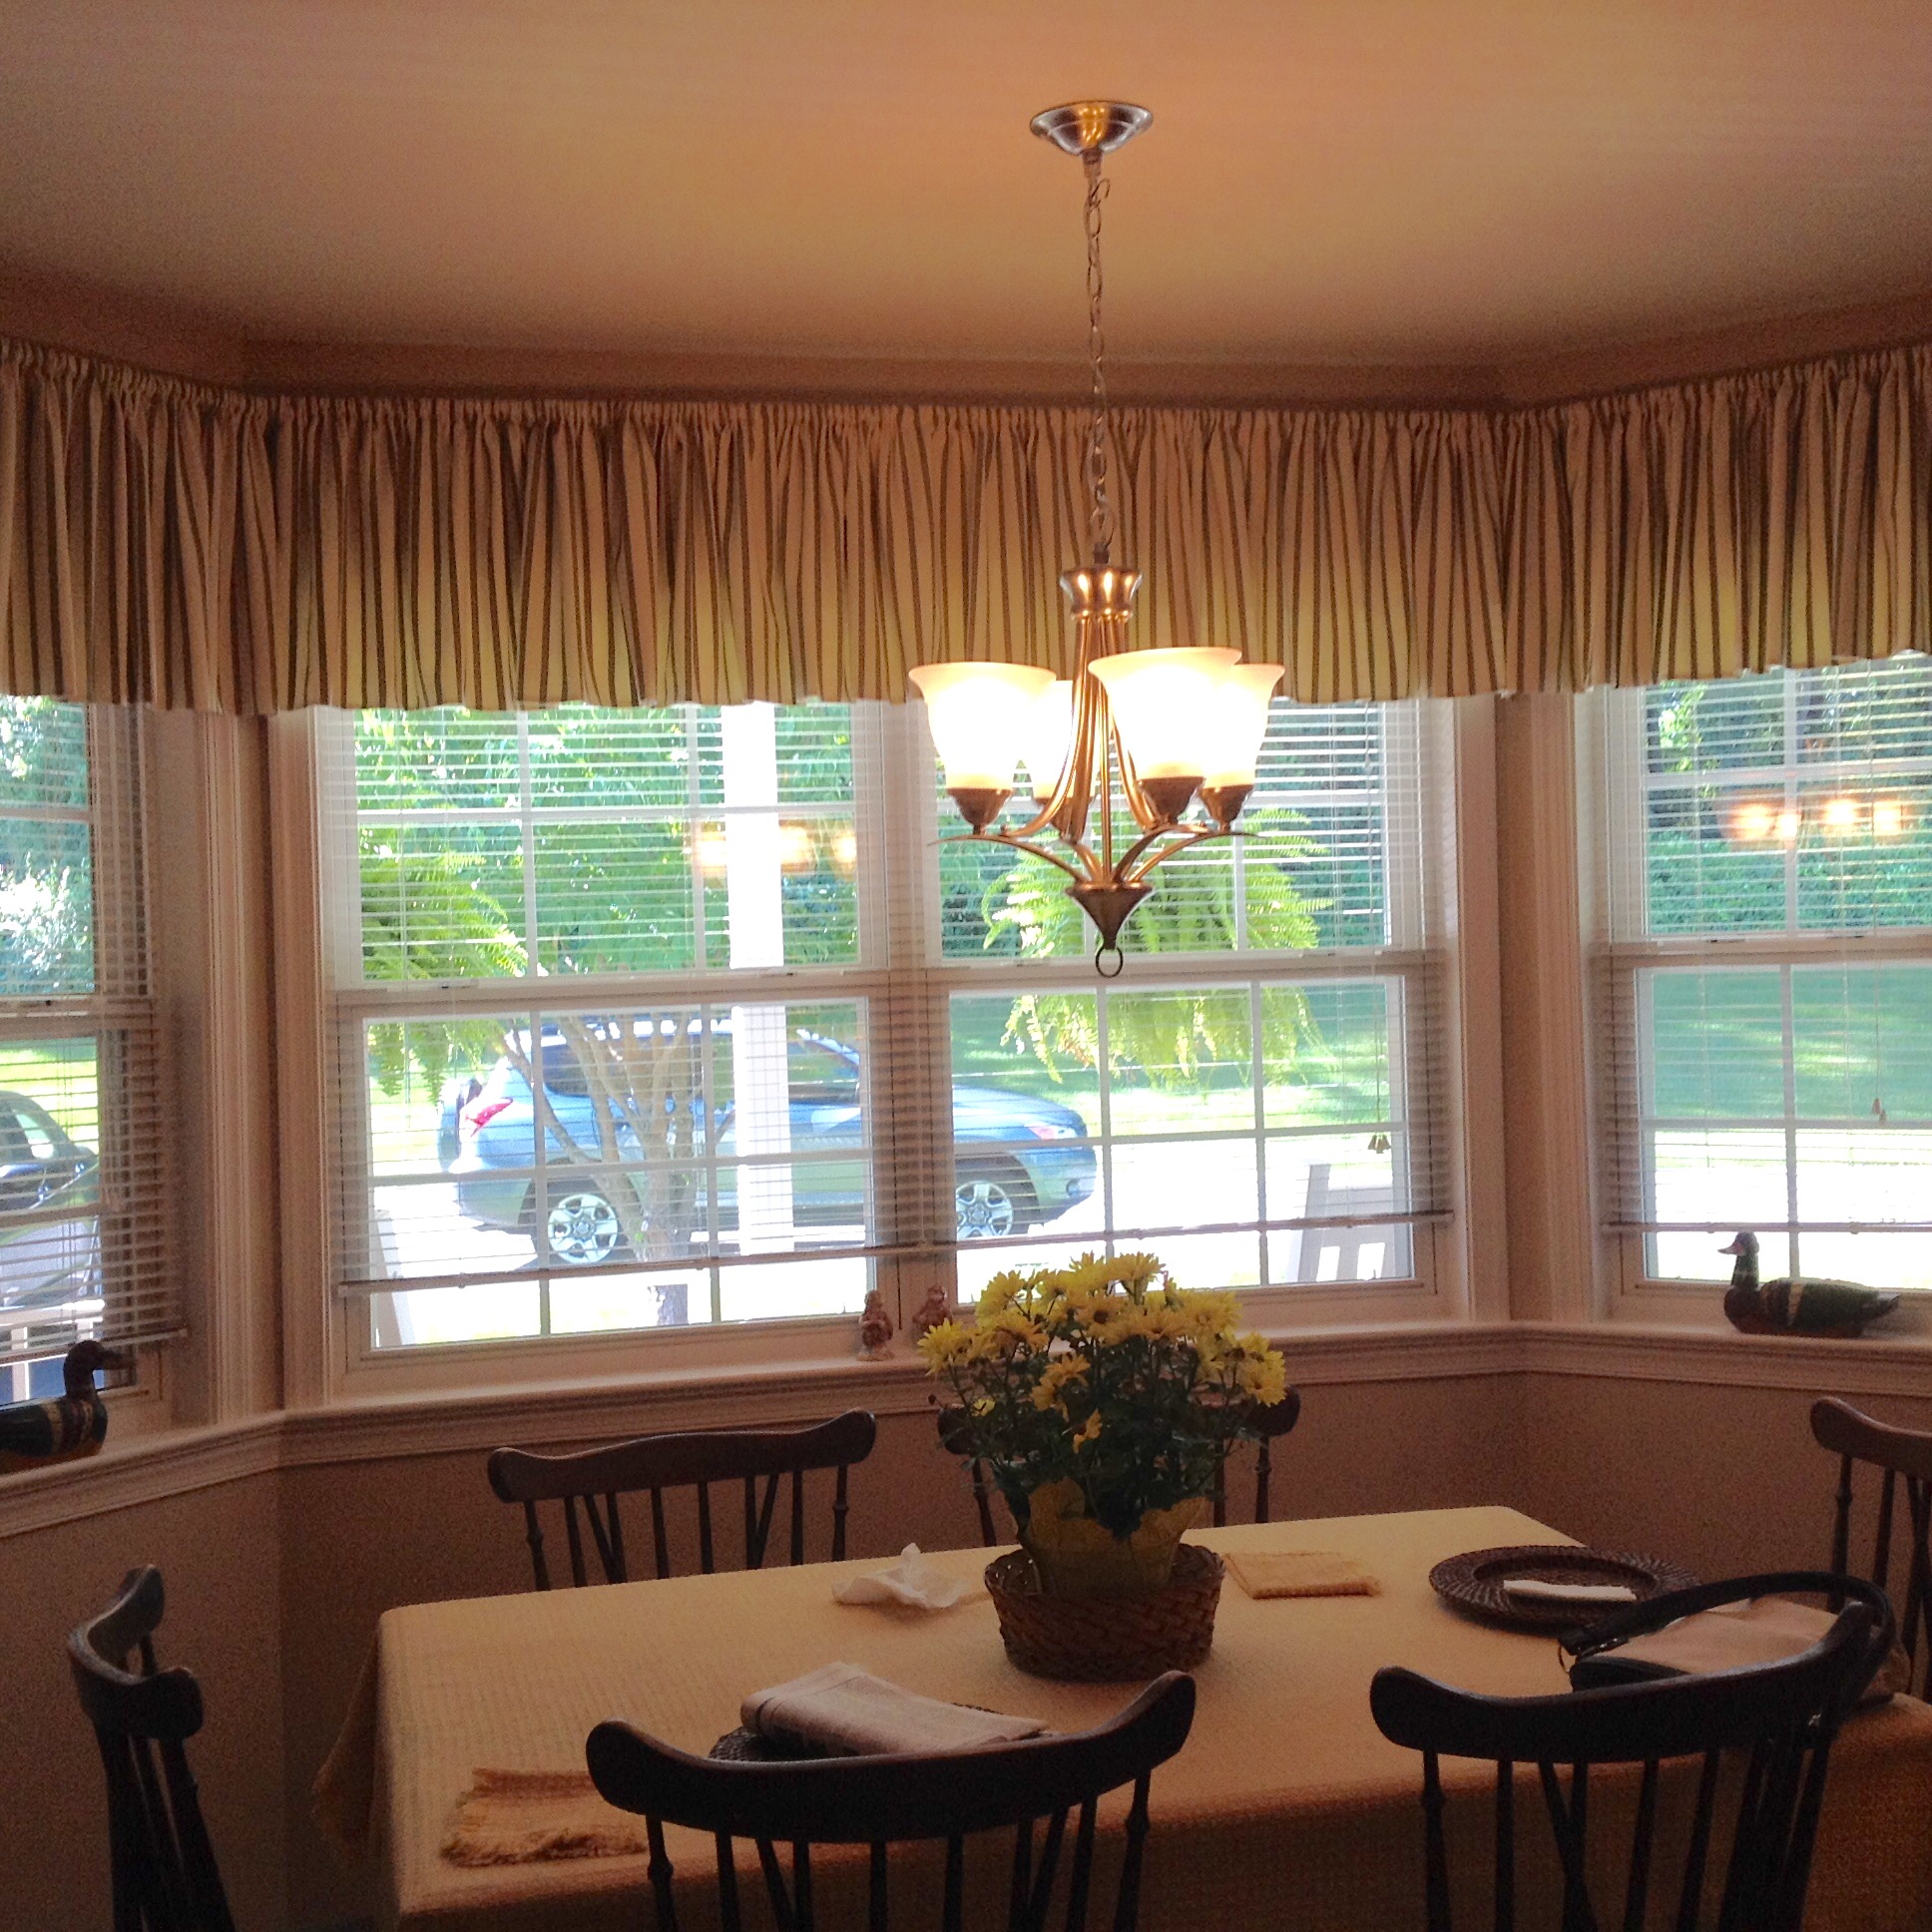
<point x="1286" y="1808"/>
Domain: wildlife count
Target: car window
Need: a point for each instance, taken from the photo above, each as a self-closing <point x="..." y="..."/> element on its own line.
<point x="39" y="1131"/>
<point x="15" y="1149"/>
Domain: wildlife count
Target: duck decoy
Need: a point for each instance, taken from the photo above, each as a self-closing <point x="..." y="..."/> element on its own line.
<point x="66" y="1427"/>
<point x="1800" y="1306"/>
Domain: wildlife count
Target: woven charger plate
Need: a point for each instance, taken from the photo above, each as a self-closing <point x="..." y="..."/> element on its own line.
<point x="1474" y="1582"/>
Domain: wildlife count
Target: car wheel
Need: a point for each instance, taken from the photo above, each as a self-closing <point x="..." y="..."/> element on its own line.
<point x="581" y="1227"/>
<point x="988" y="1204"/>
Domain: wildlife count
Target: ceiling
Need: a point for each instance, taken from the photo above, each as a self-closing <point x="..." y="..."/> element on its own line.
<point x="1351" y="182"/>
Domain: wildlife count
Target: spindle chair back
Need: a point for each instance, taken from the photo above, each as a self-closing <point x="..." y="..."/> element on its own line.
<point x="1039" y="1784"/>
<point x="957" y="1440"/>
<point x="593" y="1482"/>
<point x="1272" y="1420"/>
<point x="163" y="1871"/>
<point x="1777" y="1721"/>
<point x="1905" y="1457"/>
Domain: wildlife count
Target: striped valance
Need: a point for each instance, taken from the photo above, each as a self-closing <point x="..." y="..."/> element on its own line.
<point x="179" y="545"/>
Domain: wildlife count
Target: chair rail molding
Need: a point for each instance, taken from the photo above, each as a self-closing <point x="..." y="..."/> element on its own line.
<point x="151" y="1468"/>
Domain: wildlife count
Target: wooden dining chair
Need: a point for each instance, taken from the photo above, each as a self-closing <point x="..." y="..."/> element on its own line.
<point x="880" y="1801"/>
<point x="165" y="1875"/>
<point x="1272" y="1420"/>
<point x="1905" y="1457"/>
<point x="594" y="1480"/>
<point x="1777" y="1721"/>
<point x="957" y="1440"/>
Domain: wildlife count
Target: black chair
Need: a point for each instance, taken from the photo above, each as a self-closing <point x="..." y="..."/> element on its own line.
<point x="596" y="1478"/>
<point x="880" y="1801"/>
<point x="165" y="1875"/>
<point x="1906" y="1454"/>
<point x="1272" y="1420"/>
<point x="957" y="1440"/>
<point x="1779" y="1719"/>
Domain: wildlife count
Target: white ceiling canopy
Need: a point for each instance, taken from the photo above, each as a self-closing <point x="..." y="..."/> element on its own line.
<point x="1394" y="182"/>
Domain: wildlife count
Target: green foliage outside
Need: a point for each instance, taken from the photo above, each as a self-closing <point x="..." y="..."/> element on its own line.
<point x="46" y="862"/>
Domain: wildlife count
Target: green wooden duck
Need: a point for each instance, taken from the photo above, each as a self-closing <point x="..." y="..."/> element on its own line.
<point x="1803" y="1306"/>
<point x="69" y="1426"/>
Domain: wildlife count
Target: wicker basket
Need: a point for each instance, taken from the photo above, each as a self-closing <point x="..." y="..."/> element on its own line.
<point x="1106" y="1640"/>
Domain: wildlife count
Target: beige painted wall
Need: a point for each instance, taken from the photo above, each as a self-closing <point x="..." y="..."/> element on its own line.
<point x="219" y="1555"/>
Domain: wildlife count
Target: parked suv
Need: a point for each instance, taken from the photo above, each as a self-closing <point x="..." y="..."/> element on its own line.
<point x="1018" y="1161"/>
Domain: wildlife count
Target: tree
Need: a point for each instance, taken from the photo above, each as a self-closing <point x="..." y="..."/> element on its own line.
<point x="1170" y="1037"/>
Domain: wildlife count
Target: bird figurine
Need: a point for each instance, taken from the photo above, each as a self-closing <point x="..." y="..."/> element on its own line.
<point x="874" y="1329"/>
<point x="1798" y="1307"/>
<point x="67" y="1426"/>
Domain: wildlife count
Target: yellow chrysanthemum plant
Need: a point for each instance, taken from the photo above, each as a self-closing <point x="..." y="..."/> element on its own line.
<point x="1104" y="1399"/>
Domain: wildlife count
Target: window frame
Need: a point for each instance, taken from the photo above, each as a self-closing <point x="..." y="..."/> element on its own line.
<point x="323" y="1358"/>
<point x="1610" y="800"/>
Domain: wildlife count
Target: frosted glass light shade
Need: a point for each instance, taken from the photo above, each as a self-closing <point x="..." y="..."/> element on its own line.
<point x="1167" y="707"/>
<point x="1048" y="736"/>
<point x="1240" y="723"/>
<point x="977" y="712"/>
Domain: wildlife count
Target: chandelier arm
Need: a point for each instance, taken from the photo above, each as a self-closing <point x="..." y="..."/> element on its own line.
<point x="1021" y="845"/>
<point x="1133" y="874"/>
<point x="1137" y="803"/>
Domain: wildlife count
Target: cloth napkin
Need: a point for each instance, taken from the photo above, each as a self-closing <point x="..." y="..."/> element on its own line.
<point x="1735" y="1635"/>
<point x="1300" y="1572"/>
<point x="911" y="1581"/>
<point x="843" y="1708"/>
<point x="531" y="1817"/>
<point x="1534" y="1590"/>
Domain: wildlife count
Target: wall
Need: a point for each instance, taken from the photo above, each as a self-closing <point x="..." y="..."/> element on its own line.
<point x="219" y="1553"/>
<point x="1727" y="1480"/>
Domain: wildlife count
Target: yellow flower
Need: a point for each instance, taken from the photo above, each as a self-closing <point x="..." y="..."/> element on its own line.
<point x="1018" y="1324"/>
<point x="1048" y="1391"/>
<point x="1002" y="1291"/>
<point x="1088" y="1430"/>
<point x="944" y="1343"/>
<point x="1135" y="1271"/>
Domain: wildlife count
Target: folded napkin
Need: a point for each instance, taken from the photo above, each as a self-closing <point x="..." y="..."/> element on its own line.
<point x="912" y="1580"/>
<point x="1535" y="1590"/>
<point x="841" y="1708"/>
<point x="1735" y="1635"/>
<point x="529" y="1817"/>
<point x="1300" y="1572"/>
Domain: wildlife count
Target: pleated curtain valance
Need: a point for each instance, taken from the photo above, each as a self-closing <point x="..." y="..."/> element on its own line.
<point x="167" y="543"/>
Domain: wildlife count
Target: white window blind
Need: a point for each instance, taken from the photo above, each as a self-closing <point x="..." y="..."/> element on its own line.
<point x="1764" y="989"/>
<point x="85" y="1192"/>
<point x="667" y="1018"/>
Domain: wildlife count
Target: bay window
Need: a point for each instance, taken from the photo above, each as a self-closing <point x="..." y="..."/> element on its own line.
<point x="1764" y="979"/>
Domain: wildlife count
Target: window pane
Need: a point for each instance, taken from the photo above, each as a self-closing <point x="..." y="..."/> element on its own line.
<point x="46" y="851"/>
<point x="442" y="902"/>
<point x="664" y="1136"/>
<point x="50" y="1194"/>
<point x="1091" y="1115"/>
<point x="1796" y="801"/>
<point x="1823" y="1118"/>
<point x="590" y="842"/>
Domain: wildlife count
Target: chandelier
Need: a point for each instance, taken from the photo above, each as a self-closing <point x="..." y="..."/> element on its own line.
<point x="1166" y="727"/>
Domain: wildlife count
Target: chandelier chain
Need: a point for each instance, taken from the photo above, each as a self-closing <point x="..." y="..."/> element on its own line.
<point x="1101" y="511"/>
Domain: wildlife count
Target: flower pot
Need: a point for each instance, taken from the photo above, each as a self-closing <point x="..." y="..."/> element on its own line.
<point x="1106" y="1640"/>
<point x="1074" y="1556"/>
